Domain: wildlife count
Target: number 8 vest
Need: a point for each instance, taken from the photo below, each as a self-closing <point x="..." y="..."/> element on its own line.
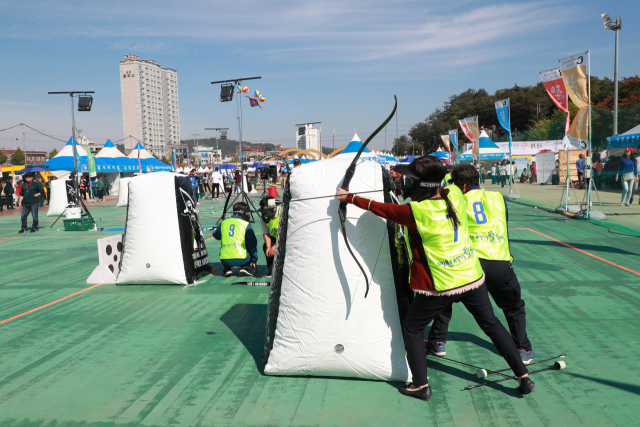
<point x="451" y="257"/>
<point x="487" y="217"/>
<point x="233" y="239"/>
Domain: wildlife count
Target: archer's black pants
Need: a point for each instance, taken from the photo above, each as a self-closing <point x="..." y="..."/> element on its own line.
<point x="504" y="288"/>
<point x="269" y="258"/>
<point x="216" y="190"/>
<point x="426" y="308"/>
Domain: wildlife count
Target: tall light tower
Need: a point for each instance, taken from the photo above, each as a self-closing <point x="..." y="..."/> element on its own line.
<point x="224" y="131"/>
<point x="614" y="24"/>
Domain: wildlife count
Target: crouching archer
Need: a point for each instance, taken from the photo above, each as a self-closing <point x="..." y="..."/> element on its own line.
<point x="270" y="215"/>
<point x="239" y="246"/>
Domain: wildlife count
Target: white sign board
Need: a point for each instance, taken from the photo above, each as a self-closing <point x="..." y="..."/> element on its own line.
<point x="546" y="166"/>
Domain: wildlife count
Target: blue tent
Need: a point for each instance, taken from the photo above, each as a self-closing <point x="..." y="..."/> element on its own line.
<point x="488" y="150"/>
<point x="147" y="161"/>
<point x="630" y="138"/>
<point x="63" y="161"/>
<point x="228" y="167"/>
<point x="117" y="161"/>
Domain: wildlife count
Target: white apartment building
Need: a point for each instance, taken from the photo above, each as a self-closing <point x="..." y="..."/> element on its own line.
<point x="150" y="109"/>
<point x="309" y="137"/>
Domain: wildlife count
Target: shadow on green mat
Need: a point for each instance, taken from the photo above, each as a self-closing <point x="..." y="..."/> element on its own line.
<point x="631" y="388"/>
<point x="248" y="323"/>
<point x="583" y="246"/>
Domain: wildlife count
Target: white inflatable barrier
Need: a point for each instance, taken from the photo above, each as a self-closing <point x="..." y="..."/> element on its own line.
<point x="123" y="192"/>
<point x="58" y="201"/>
<point x="324" y="325"/>
<point x="163" y="240"/>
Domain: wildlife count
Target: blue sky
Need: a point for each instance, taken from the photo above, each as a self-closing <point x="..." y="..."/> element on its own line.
<point x="336" y="62"/>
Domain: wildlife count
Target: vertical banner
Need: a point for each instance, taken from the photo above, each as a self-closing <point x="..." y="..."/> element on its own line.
<point x="446" y="141"/>
<point x="553" y="83"/>
<point x="139" y="162"/>
<point x="91" y="162"/>
<point x="474" y="131"/>
<point x="175" y="160"/>
<point x="453" y="137"/>
<point x="575" y="74"/>
<point x="465" y="130"/>
<point x="504" y="117"/>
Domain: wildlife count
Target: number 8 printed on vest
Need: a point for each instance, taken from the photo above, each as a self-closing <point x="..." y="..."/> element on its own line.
<point x="478" y="211"/>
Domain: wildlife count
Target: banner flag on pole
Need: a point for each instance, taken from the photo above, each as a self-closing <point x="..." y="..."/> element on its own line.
<point x="502" y="109"/>
<point x="553" y="83"/>
<point x="91" y="162"/>
<point x="474" y="132"/>
<point x="453" y="137"/>
<point x="575" y="75"/>
<point x="578" y="135"/>
<point x="465" y="129"/>
<point x="446" y="141"/>
<point x="139" y="163"/>
<point x="175" y="160"/>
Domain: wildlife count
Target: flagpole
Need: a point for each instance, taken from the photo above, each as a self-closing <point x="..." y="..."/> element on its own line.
<point x="510" y="167"/>
<point x="589" y="152"/>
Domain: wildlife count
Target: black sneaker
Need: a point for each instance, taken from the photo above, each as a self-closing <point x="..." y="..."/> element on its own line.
<point x="422" y="394"/>
<point x="23" y="230"/>
<point x="227" y="272"/>
<point x="267" y="276"/>
<point x="244" y="271"/>
<point x="33" y="230"/>
<point x="526" y="386"/>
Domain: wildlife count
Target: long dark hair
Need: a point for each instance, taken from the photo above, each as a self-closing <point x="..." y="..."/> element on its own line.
<point x="431" y="169"/>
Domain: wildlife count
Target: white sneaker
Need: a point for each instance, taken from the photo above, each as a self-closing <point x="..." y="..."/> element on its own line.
<point x="627" y="204"/>
<point x="621" y="203"/>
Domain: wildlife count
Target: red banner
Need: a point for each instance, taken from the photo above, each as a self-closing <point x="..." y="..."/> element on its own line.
<point x="553" y="83"/>
<point x="465" y="130"/>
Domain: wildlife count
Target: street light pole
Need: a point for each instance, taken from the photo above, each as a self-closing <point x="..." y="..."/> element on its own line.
<point x="614" y="25"/>
<point x="217" y="149"/>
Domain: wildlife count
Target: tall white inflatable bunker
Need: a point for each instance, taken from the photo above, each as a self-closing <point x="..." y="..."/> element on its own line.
<point x="58" y="201"/>
<point x="163" y="240"/>
<point x="123" y="192"/>
<point x="320" y="322"/>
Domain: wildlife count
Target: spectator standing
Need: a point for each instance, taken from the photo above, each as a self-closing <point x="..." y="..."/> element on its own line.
<point x="47" y="187"/>
<point x="580" y="166"/>
<point x="30" y="192"/>
<point x="41" y="196"/>
<point x="502" y="170"/>
<point x="598" y="169"/>
<point x="8" y="191"/>
<point x="238" y="179"/>
<point x="100" y="189"/>
<point x="106" y="184"/>
<point x="483" y="173"/>
<point x="494" y="171"/>
<point x="534" y="171"/>
<point x="629" y="170"/>
<point x="195" y="184"/>
<point x="216" y="180"/>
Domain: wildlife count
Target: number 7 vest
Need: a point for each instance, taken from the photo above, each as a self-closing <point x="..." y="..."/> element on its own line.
<point x="451" y="257"/>
<point x="233" y="239"/>
<point x="487" y="217"/>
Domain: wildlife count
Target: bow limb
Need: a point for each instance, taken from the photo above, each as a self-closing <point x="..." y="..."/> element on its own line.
<point x="351" y="170"/>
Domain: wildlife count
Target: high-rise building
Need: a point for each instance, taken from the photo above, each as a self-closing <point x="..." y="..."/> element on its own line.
<point x="150" y="110"/>
<point x="309" y="137"/>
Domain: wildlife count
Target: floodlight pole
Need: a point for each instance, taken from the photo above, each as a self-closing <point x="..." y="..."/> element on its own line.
<point x="615" y="87"/>
<point x="217" y="149"/>
<point x="73" y="127"/>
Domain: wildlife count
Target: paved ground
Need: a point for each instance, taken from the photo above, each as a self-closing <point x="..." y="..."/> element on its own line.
<point x="165" y="355"/>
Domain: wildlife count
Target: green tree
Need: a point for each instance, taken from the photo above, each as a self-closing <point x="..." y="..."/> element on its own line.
<point x="164" y="160"/>
<point x="53" y="153"/>
<point x="3" y="158"/>
<point x="18" y="157"/>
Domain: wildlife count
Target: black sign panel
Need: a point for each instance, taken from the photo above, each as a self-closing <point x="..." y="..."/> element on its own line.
<point x="194" y="249"/>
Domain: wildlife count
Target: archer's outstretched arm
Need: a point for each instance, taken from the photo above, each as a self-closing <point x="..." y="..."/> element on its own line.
<point x="400" y="214"/>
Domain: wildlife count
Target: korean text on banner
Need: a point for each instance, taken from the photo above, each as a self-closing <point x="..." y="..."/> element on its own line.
<point x="453" y="137"/>
<point x="502" y="110"/>
<point x="553" y="83"/>
<point x="446" y="141"/>
<point x="474" y="131"/>
<point x="91" y="162"/>
<point x="575" y="75"/>
<point x="578" y="135"/>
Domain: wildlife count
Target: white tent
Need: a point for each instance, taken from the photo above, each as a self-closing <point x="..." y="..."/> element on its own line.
<point x="488" y="150"/>
<point x="144" y="154"/>
<point x="353" y="147"/>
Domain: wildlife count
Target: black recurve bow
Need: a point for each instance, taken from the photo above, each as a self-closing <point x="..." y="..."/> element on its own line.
<point x="342" y="210"/>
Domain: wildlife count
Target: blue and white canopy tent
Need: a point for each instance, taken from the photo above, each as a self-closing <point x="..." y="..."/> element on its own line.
<point x="62" y="164"/>
<point x="148" y="162"/>
<point x="630" y="138"/>
<point x="353" y="147"/>
<point x="118" y="164"/>
<point x="488" y="150"/>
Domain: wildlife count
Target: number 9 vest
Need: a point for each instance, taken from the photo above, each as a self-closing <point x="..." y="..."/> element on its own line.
<point x="233" y="241"/>
<point x="487" y="217"/>
<point x="451" y="257"/>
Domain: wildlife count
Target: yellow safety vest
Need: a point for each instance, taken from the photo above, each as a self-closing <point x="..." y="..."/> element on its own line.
<point x="447" y="177"/>
<point x="451" y="257"/>
<point x="233" y="232"/>
<point x="274" y="223"/>
<point x="487" y="217"/>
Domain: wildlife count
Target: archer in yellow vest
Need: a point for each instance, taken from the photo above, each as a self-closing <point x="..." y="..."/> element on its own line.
<point x="270" y="215"/>
<point x="445" y="268"/>
<point x="487" y="215"/>
<point x="239" y="246"/>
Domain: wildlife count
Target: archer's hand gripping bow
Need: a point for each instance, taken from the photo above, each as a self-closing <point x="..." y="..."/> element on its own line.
<point x="351" y="170"/>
